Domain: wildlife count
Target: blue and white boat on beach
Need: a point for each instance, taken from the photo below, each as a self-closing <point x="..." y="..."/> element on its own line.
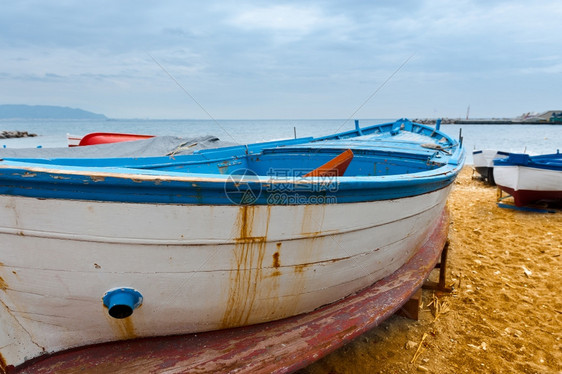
<point x="483" y="161"/>
<point x="530" y="178"/>
<point x="104" y="248"/>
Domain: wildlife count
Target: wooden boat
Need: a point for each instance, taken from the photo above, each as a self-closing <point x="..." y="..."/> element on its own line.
<point x="107" y="249"/>
<point x="483" y="161"/>
<point x="530" y="178"/>
<point x="292" y="343"/>
<point x="103" y="138"/>
<point x="73" y="140"/>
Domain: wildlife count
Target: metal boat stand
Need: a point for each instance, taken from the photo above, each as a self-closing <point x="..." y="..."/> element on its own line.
<point x="282" y="346"/>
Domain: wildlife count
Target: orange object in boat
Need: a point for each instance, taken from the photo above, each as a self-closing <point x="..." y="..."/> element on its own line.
<point x="110" y="137"/>
<point x="336" y="167"/>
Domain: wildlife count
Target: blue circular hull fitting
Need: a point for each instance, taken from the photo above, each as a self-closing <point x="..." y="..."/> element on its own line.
<point x="122" y="301"/>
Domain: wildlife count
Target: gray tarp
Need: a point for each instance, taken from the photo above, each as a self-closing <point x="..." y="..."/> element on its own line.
<point x="153" y="147"/>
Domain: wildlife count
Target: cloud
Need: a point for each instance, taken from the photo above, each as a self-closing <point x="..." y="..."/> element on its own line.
<point x="289" y="23"/>
<point x="286" y="58"/>
<point x="301" y="20"/>
<point x="549" y="69"/>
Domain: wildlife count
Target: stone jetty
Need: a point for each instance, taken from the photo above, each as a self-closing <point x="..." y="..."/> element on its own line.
<point x="15" y="134"/>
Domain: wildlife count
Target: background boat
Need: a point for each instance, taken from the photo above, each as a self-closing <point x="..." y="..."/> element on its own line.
<point x="530" y="178"/>
<point x="483" y="161"/>
<point x="106" y="137"/>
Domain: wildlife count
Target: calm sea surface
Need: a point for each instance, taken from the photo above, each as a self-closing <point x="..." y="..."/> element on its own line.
<point x="534" y="139"/>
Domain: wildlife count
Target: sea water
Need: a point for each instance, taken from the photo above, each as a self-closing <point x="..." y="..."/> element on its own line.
<point x="533" y="139"/>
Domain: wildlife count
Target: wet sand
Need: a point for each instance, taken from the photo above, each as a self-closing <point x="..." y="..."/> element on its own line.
<point x="505" y="313"/>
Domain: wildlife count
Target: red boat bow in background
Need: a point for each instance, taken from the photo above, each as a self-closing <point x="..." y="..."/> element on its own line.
<point x="107" y="137"/>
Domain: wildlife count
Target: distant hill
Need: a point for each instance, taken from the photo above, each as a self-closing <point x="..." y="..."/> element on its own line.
<point x="45" y="112"/>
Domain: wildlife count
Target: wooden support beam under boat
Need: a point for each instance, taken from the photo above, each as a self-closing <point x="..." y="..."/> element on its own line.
<point x="442" y="266"/>
<point x="411" y="309"/>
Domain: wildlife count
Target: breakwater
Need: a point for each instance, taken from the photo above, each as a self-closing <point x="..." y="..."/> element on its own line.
<point x="457" y="121"/>
<point x="15" y="134"/>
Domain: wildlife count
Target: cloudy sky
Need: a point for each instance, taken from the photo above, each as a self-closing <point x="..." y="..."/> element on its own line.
<point x="283" y="59"/>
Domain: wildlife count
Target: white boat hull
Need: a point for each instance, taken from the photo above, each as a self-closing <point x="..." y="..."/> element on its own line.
<point x="526" y="178"/>
<point x="485" y="158"/>
<point x="528" y="184"/>
<point x="199" y="268"/>
<point x="483" y="161"/>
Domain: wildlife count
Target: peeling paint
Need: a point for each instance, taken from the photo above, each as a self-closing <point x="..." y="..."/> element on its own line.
<point x="284" y="346"/>
<point x="97" y="178"/>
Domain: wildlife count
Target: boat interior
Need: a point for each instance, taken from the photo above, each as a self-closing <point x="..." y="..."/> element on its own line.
<point x="388" y="149"/>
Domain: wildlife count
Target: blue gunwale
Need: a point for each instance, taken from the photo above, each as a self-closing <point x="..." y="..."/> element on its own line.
<point x="160" y="179"/>
<point x="551" y="161"/>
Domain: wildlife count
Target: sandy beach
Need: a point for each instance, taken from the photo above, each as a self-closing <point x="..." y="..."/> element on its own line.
<point x="504" y="314"/>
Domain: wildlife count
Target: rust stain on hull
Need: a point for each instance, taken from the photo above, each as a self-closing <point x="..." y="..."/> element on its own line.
<point x="276" y="265"/>
<point x="313" y="220"/>
<point x="3" y="365"/>
<point x="3" y="284"/>
<point x="300" y="268"/>
<point x="123" y="328"/>
<point x="248" y="272"/>
<point x="276" y="255"/>
<point x="284" y="346"/>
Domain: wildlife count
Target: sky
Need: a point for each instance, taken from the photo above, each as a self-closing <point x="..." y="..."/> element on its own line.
<point x="318" y="59"/>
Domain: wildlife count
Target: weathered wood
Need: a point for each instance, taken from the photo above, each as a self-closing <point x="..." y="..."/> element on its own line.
<point x="335" y="167"/>
<point x="442" y="266"/>
<point x="411" y="308"/>
<point x="277" y="347"/>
